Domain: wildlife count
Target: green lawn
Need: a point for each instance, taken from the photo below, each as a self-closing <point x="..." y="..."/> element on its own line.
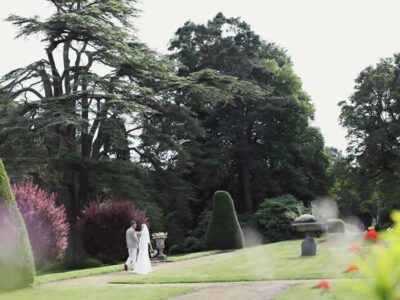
<point x="70" y="274"/>
<point x="96" y="293"/>
<point x="273" y="261"/>
<point x="195" y="255"/>
<point x="77" y="274"/>
<point x="337" y="291"/>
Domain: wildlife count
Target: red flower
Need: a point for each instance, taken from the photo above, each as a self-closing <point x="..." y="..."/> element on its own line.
<point x="371" y="235"/>
<point x="352" y="268"/>
<point x="354" y="247"/>
<point x="323" y="284"/>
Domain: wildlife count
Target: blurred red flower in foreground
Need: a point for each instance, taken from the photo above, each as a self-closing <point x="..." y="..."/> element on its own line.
<point x="351" y="268"/>
<point x="323" y="284"/>
<point x="371" y="235"/>
<point x="354" y="247"/>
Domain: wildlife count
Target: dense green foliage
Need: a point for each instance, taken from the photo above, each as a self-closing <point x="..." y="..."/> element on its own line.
<point x="371" y="116"/>
<point x="256" y="141"/>
<point x="225" y="111"/>
<point x="223" y="231"/>
<point x="80" y="125"/>
<point x="17" y="267"/>
<point x="352" y="188"/>
<point x="195" y="241"/>
<point x="271" y="215"/>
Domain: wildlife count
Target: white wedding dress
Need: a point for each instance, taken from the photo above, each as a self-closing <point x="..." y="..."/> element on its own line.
<point x="143" y="265"/>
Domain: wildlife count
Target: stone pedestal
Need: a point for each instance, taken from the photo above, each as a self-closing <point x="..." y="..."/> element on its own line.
<point x="160" y="245"/>
<point x="308" y="246"/>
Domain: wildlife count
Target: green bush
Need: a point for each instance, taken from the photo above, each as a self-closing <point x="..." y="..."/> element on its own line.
<point x="189" y="245"/>
<point x="17" y="269"/>
<point x="174" y="249"/>
<point x="195" y="241"/>
<point x="254" y="234"/>
<point x="271" y="215"/>
<point x="223" y="231"/>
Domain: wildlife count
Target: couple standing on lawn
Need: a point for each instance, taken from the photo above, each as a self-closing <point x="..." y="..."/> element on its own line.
<point x="138" y="241"/>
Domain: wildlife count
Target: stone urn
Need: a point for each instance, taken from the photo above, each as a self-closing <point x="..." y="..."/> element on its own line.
<point x="308" y="246"/>
<point x="160" y="245"/>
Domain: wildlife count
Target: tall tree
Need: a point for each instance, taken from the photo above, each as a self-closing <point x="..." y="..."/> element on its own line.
<point x="372" y="118"/>
<point x="84" y="104"/>
<point x="250" y="140"/>
<point x="351" y="187"/>
<point x="173" y="170"/>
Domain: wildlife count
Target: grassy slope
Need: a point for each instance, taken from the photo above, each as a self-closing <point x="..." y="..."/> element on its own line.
<point x="273" y="261"/>
<point x="96" y="293"/>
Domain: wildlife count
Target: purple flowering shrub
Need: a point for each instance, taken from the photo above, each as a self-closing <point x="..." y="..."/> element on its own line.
<point x="46" y="222"/>
<point x="102" y="228"/>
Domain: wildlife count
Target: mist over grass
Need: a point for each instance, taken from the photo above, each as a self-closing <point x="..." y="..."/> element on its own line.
<point x="280" y="260"/>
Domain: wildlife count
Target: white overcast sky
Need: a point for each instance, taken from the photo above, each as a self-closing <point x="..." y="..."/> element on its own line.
<point x="329" y="41"/>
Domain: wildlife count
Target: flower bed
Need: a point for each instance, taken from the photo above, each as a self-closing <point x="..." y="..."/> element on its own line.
<point x="159" y="235"/>
<point x="305" y="218"/>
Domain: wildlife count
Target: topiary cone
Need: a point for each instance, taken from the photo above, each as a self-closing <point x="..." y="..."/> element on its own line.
<point x="223" y="231"/>
<point x="17" y="269"/>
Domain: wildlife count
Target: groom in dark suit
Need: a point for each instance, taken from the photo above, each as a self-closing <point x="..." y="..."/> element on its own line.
<point x="132" y="243"/>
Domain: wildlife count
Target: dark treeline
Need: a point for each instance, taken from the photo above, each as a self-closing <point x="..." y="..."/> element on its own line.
<point x="102" y="117"/>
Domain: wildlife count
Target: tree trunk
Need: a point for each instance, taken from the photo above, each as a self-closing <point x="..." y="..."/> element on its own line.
<point x="77" y="193"/>
<point x="246" y="176"/>
<point x="75" y="250"/>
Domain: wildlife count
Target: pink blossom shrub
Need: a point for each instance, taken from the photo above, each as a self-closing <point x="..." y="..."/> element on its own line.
<point x="102" y="228"/>
<point x="46" y="222"/>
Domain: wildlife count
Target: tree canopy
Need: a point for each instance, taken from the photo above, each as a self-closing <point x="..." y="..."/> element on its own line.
<point x="102" y="116"/>
<point x="258" y="140"/>
<point x="83" y="107"/>
<point x="372" y="118"/>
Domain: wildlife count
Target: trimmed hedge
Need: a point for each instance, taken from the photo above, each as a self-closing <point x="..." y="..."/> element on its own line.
<point x="223" y="231"/>
<point x="17" y="268"/>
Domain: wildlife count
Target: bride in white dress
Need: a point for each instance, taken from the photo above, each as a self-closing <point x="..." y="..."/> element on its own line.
<point x="143" y="265"/>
